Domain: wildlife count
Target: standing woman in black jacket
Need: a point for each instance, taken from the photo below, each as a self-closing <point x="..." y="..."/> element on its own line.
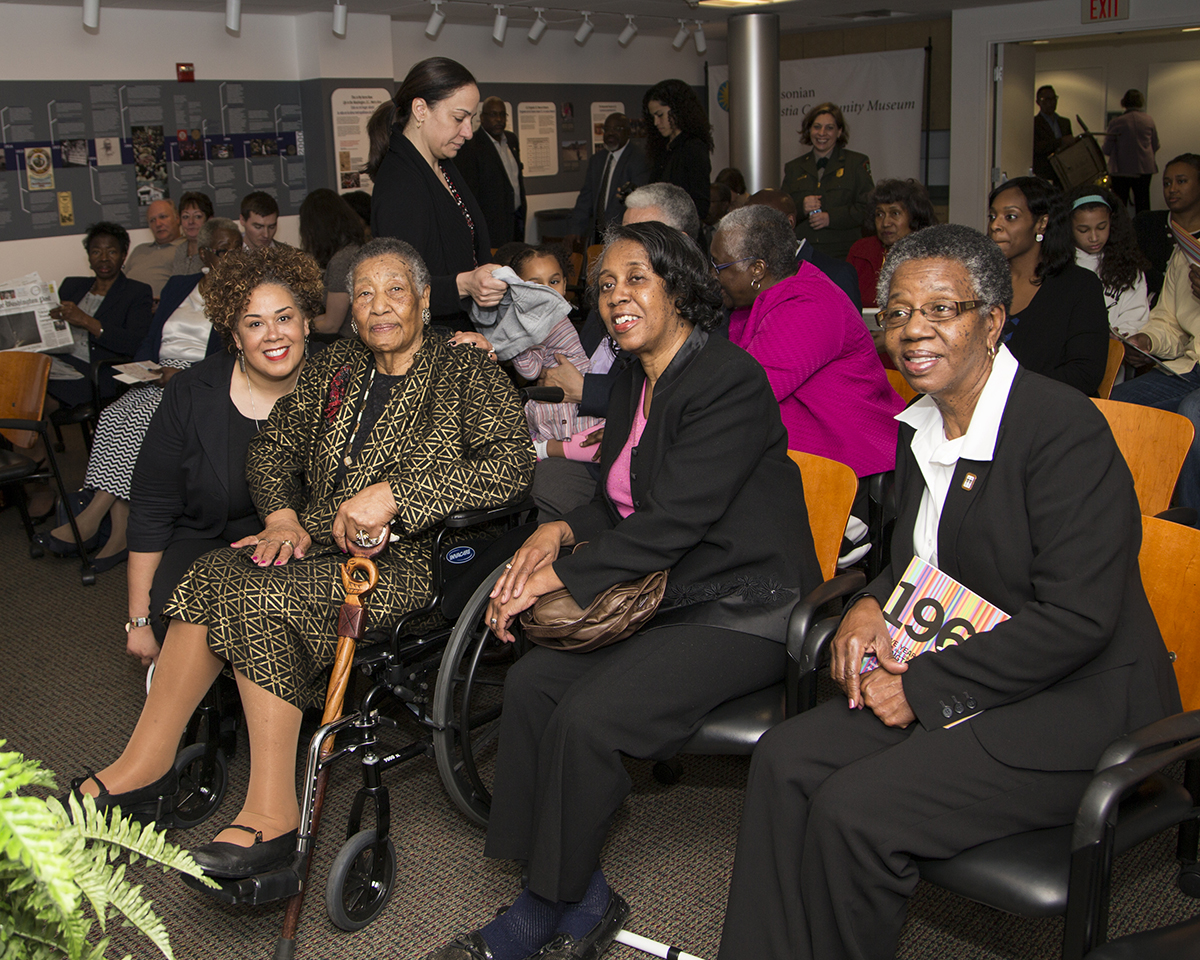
<point x="679" y="140"/>
<point x="421" y="198"/>
<point x="1058" y="322"/>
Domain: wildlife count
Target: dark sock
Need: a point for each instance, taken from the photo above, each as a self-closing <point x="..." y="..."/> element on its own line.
<point x="522" y="929"/>
<point x="579" y="918"/>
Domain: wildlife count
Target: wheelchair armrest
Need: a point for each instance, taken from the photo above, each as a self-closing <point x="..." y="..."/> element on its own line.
<point x="803" y="613"/>
<point x="470" y="518"/>
<point x="544" y="394"/>
<point x="1097" y="809"/>
<point x="1180" y="726"/>
<point x="1184" y="516"/>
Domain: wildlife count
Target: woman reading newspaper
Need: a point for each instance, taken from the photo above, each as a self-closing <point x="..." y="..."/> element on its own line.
<point x="1011" y="484"/>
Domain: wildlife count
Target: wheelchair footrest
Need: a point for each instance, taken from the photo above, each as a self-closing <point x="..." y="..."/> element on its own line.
<point x="263" y="888"/>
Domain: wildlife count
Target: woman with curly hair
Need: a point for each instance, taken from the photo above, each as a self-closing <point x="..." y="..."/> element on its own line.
<point x="829" y="184"/>
<point x="1057" y="324"/>
<point x="900" y="207"/>
<point x="180" y="335"/>
<point x="693" y="449"/>
<point x="679" y="140"/>
<point x="382" y="437"/>
<point x="1105" y="244"/>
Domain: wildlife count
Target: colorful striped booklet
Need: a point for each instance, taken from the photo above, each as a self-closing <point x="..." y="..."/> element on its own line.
<point x="931" y="611"/>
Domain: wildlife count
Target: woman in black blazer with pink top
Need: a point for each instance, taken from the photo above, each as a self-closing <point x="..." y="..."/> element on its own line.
<point x="1011" y="484"/>
<point x="420" y="197"/>
<point x="701" y="485"/>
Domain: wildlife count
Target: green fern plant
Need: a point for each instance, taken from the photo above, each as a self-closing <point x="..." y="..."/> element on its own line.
<point x="53" y="861"/>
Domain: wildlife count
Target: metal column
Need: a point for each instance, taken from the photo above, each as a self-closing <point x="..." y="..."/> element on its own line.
<point x="753" y="46"/>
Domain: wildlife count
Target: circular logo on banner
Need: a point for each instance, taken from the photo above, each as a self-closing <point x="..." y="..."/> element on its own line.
<point x="461" y="555"/>
<point x="723" y="96"/>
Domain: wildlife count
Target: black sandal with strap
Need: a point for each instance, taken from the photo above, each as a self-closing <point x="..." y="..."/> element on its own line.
<point x="223" y="859"/>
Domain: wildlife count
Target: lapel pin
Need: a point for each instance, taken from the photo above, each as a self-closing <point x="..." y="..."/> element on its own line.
<point x="968" y="481"/>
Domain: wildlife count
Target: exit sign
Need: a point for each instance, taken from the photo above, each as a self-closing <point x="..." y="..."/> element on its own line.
<point x="1096" y="10"/>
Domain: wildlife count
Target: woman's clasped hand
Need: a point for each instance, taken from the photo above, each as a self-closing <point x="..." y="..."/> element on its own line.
<point x="528" y="576"/>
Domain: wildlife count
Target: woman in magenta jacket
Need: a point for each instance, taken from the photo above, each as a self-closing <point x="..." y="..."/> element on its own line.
<point x="833" y="394"/>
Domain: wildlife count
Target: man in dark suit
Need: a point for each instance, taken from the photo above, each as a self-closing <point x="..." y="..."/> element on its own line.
<point x="1050" y="133"/>
<point x="840" y="272"/>
<point x="490" y="162"/>
<point x="601" y="201"/>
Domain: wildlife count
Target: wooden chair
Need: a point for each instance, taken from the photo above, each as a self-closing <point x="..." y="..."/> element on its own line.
<point x="1116" y="354"/>
<point x="900" y="385"/>
<point x="593" y="254"/>
<point x="23" y="378"/>
<point x="829" y="491"/>
<point x="1154" y="443"/>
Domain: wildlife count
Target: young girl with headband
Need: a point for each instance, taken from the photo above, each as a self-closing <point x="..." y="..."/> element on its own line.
<point x="1106" y="245"/>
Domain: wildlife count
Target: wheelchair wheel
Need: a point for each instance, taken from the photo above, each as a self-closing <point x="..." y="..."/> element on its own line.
<point x="198" y="798"/>
<point x="466" y="706"/>
<point x="353" y="897"/>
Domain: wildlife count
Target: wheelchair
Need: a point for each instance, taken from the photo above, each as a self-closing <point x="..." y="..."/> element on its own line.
<point x="438" y="668"/>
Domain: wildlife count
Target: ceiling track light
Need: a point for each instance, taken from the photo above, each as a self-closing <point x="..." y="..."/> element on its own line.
<point x="585" y="28"/>
<point x="682" y="35"/>
<point x="630" y="31"/>
<point x="500" y="26"/>
<point x="539" y="25"/>
<point x="339" y="19"/>
<point x="701" y="40"/>
<point x="233" y="16"/>
<point x="436" y="19"/>
<point x="91" y="14"/>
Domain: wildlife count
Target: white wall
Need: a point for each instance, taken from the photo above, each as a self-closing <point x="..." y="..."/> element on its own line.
<point x="145" y="45"/>
<point x="974" y="32"/>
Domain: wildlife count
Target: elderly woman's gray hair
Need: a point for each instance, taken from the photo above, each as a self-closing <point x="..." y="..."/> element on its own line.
<point x="763" y="233"/>
<point x="208" y="231"/>
<point x="390" y="246"/>
<point x="990" y="275"/>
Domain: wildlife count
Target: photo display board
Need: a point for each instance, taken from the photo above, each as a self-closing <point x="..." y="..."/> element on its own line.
<point x="73" y="152"/>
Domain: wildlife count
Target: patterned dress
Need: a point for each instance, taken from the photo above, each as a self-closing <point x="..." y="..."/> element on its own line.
<point x="452" y="436"/>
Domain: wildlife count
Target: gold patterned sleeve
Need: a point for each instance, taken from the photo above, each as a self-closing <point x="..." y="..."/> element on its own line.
<point x="278" y="457"/>
<point x="484" y="457"/>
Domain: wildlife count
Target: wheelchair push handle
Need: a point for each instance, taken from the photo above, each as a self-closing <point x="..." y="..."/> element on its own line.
<point x="355" y="587"/>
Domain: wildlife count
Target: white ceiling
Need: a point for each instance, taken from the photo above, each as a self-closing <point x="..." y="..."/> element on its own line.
<point x="653" y="16"/>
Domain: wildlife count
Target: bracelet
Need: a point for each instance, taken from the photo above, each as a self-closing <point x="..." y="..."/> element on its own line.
<point x="136" y="622"/>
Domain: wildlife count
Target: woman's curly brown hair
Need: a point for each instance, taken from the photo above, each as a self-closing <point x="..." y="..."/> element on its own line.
<point x="239" y="272"/>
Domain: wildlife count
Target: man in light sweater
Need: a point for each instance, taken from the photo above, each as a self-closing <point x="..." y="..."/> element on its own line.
<point x="152" y="262"/>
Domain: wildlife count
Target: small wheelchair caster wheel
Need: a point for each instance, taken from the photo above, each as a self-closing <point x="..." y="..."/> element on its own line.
<point x="668" y="772"/>
<point x="200" y="794"/>
<point x="357" y="891"/>
<point x="1189" y="879"/>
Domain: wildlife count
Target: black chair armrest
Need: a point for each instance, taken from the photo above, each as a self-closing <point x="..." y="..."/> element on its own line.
<point x="470" y="518"/>
<point x="544" y="394"/>
<point x="1097" y="809"/>
<point x="1180" y="726"/>
<point x="804" y="612"/>
<point x="38" y="426"/>
<point x="1184" y="516"/>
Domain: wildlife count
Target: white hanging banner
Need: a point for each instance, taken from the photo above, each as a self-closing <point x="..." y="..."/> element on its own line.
<point x="880" y="94"/>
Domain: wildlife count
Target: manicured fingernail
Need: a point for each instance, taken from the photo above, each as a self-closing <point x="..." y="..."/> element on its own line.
<point x="278" y="562"/>
<point x="851" y="704"/>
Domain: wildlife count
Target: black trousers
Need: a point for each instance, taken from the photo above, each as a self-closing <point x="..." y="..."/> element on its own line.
<point x="1139" y="186"/>
<point x="837" y="807"/>
<point x="568" y="718"/>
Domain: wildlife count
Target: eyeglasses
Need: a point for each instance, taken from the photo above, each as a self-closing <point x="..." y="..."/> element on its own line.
<point x="718" y="267"/>
<point x="936" y="311"/>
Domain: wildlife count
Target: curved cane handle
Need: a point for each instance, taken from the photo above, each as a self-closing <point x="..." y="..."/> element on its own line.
<point x="358" y="587"/>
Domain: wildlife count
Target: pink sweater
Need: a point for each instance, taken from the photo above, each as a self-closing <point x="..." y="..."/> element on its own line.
<point x="833" y="395"/>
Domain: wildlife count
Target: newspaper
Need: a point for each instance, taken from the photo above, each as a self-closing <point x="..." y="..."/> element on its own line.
<point x="25" y="321"/>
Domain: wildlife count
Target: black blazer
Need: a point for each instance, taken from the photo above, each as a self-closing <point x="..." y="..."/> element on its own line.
<point x="481" y="168"/>
<point x="839" y="271"/>
<point x="124" y="313"/>
<point x="1046" y="143"/>
<point x="1049" y="532"/>
<point x="1063" y="332"/>
<point x="177" y="289"/>
<point x="717" y="500"/>
<point x="410" y="203"/>
<point x="686" y="163"/>
<point x="180" y="488"/>
<point x="632" y="167"/>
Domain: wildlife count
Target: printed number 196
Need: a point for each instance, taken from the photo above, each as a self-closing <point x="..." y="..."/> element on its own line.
<point x="929" y="618"/>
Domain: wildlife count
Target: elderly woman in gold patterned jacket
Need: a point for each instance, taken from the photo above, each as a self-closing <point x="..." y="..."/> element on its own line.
<point x="382" y="437"/>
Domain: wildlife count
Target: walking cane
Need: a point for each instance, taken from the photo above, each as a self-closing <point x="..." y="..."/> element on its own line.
<point x="351" y="622"/>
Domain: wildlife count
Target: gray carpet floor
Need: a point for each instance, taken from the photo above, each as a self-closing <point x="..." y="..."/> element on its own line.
<point x="69" y="695"/>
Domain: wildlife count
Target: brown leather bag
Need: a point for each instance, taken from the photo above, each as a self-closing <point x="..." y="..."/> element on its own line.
<point x="558" y="622"/>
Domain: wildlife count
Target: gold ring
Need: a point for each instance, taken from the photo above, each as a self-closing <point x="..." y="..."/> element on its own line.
<point x="508" y="566"/>
<point x="288" y="542"/>
<point x="493" y="619"/>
